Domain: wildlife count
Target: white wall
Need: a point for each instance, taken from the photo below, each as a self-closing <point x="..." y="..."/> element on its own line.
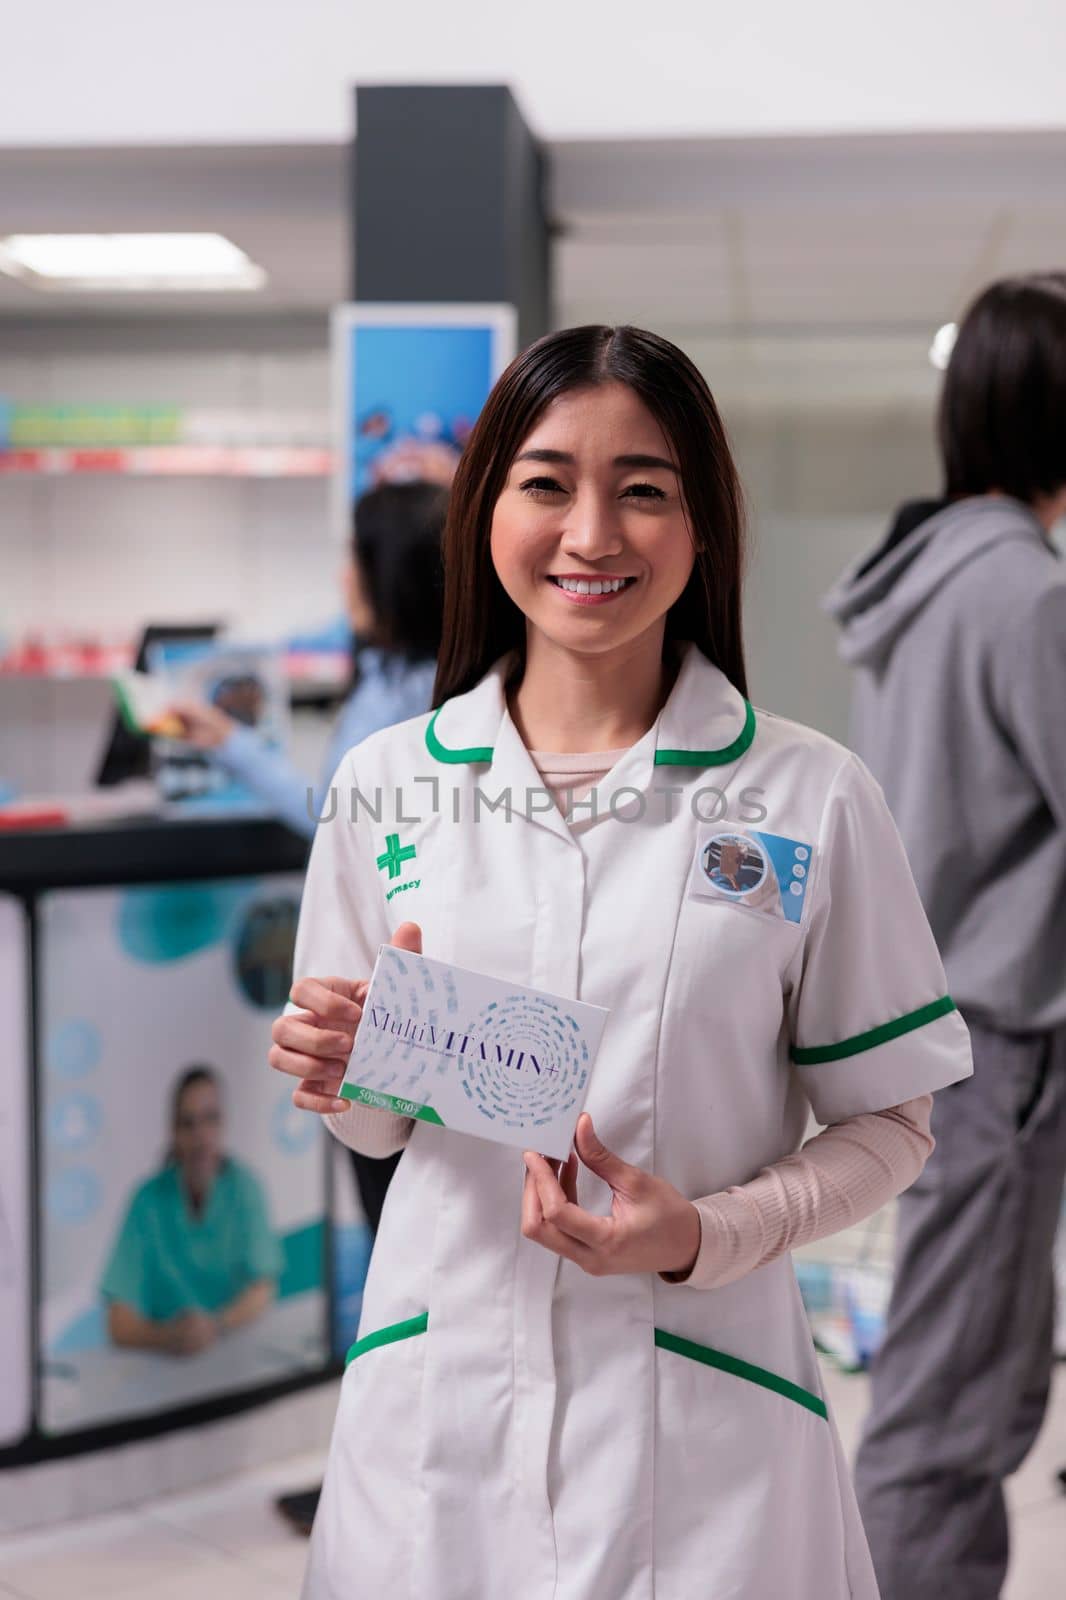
<point x="106" y="554"/>
<point x="265" y="71"/>
<point x="821" y="487"/>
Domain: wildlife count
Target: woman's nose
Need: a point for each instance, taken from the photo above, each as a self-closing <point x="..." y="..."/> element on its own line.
<point x="592" y="529"/>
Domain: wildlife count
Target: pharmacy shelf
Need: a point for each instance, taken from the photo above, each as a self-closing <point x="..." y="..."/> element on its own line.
<point x="173" y="461"/>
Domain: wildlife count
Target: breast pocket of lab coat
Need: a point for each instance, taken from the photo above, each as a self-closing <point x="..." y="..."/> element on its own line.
<point x="740" y="926"/>
<point x="726" y="1095"/>
<point x="730" y="969"/>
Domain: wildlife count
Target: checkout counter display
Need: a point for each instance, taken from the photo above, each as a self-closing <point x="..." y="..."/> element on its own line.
<point x="178" y="1184"/>
<point x="15" y="1145"/>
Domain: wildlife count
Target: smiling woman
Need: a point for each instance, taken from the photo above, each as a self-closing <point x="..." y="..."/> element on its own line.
<point x="615" y="1352"/>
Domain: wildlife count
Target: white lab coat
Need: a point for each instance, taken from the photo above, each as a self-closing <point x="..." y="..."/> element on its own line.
<point x="511" y="1428"/>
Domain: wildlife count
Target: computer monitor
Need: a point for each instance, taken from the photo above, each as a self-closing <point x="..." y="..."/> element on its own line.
<point x="127" y="754"/>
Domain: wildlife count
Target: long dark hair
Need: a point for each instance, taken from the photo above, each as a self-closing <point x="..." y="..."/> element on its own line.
<point x="396" y="539"/>
<point x="481" y="621"/>
<point x="1002" y="422"/>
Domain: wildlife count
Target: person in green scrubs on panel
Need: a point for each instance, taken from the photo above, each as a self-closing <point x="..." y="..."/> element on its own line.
<point x="195" y="1256"/>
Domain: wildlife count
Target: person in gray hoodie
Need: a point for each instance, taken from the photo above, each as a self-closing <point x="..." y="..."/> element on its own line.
<point x="956" y="629"/>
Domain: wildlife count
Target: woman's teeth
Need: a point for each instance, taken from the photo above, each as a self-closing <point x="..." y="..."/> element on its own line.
<point x="592" y="586"/>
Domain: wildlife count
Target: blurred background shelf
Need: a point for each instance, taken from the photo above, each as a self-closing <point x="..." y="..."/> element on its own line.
<point x="179" y="461"/>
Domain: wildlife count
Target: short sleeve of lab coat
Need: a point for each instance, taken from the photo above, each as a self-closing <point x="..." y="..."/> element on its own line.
<point x="342" y="923"/>
<point x="871" y="1020"/>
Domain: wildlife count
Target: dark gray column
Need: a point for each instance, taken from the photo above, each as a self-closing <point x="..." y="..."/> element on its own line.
<point x="447" y="201"/>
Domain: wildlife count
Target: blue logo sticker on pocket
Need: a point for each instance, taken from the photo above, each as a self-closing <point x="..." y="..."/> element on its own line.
<point x="790" y="861"/>
<point x="763" y="871"/>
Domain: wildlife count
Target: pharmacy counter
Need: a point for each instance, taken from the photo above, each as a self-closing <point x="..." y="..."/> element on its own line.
<point x="131" y="955"/>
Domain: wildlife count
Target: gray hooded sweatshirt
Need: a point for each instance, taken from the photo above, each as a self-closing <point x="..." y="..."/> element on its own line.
<point x="957" y="633"/>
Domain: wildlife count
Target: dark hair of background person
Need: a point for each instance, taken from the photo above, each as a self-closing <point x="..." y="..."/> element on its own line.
<point x="481" y="622"/>
<point x="197" y="1073"/>
<point x="397" y="531"/>
<point x="1002" y="422"/>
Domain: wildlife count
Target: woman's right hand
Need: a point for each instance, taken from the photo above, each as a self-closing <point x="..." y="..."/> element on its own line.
<point x="314" y="1043"/>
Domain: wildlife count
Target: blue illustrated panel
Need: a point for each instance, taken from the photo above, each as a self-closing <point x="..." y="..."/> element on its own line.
<point x="414" y="387"/>
<point x="790" y="861"/>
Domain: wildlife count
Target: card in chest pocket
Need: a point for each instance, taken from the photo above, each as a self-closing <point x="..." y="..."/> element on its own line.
<point x="764" y="872"/>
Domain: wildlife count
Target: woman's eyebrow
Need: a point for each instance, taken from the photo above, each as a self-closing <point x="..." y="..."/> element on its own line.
<point x="564" y="458"/>
<point x="644" y="461"/>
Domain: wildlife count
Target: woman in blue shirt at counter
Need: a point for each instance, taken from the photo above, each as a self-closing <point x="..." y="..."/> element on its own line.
<point x="393" y="595"/>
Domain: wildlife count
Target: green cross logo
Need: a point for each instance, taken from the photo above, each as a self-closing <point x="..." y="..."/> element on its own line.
<point x="394" y="856"/>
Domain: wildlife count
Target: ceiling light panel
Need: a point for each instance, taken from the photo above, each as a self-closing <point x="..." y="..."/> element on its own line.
<point x="129" y="262"/>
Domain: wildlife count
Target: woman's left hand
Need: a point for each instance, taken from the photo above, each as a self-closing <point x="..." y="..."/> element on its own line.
<point x="651" y="1228"/>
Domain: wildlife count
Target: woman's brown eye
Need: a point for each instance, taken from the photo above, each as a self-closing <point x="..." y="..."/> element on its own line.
<point x="536" y="486"/>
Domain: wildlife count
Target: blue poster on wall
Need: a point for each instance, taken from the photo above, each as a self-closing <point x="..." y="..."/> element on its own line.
<point x="409" y="382"/>
<point x="183" y="1196"/>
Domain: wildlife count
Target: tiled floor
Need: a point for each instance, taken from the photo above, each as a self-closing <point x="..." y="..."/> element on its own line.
<point x="225" y="1542"/>
<point x="222" y="1542"/>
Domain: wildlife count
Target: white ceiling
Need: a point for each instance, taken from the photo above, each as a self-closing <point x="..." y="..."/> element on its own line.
<point x="269" y="71"/>
<point x="814" y="263"/>
<point x="834" y="233"/>
<point x="285" y="207"/>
